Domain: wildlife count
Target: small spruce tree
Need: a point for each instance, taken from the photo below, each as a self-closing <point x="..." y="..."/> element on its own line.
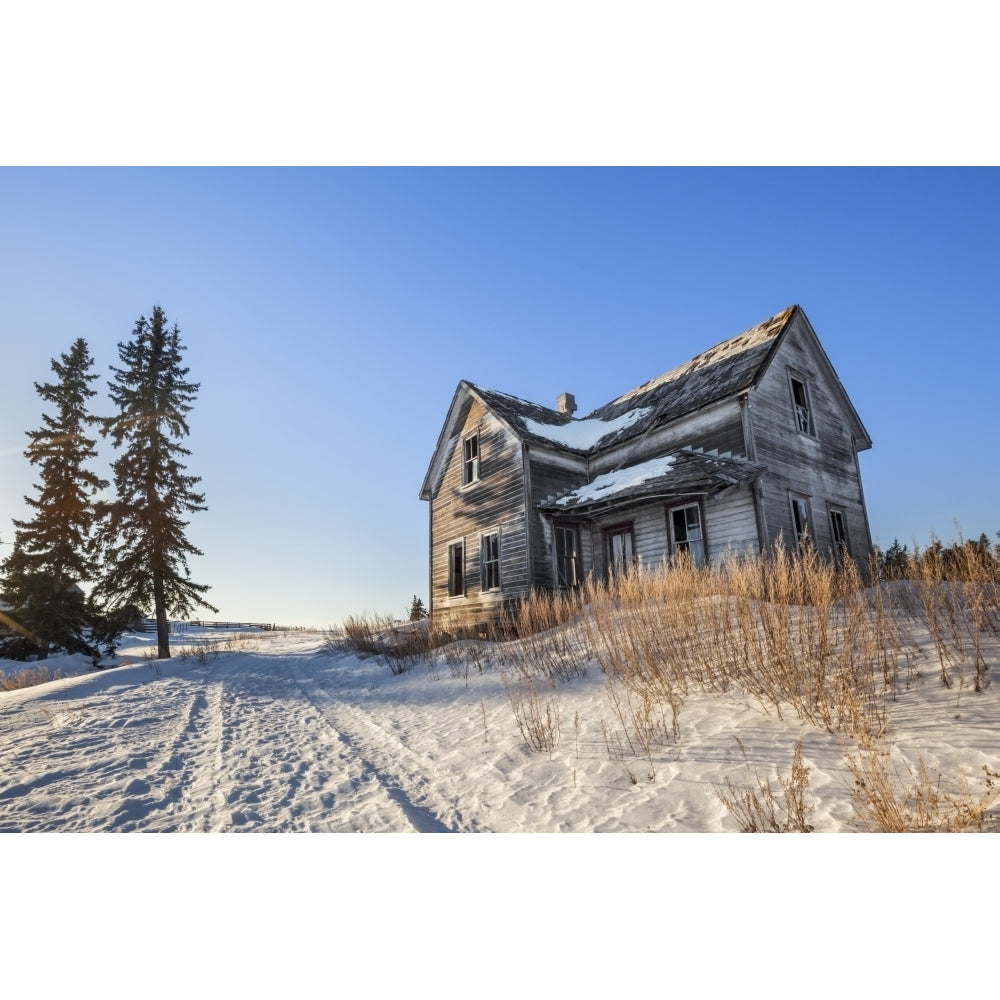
<point x="417" y="610"/>
<point x="142" y="533"/>
<point x="54" y="551"/>
<point x="895" y="562"/>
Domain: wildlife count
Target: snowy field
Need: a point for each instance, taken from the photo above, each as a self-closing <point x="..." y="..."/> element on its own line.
<point x="270" y="732"/>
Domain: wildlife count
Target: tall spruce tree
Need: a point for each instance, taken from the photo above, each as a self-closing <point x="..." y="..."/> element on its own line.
<point x="53" y="551"/>
<point x="142" y="534"/>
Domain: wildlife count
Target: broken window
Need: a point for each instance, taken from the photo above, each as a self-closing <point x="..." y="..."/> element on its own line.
<point x="489" y="561"/>
<point x="838" y="529"/>
<point x="567" y="555"/>
<point x="803" y="411"/>
<point x="686" y="532"/>
<point x="470" y="460"/>
<point x="801" y="520"/>
<point x="456" y="569"/>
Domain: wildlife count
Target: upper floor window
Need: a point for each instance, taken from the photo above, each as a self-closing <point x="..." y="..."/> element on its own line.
<point x="489" y="561"/>
<point x="804" y="421"/>
<point x="470" y="460"/>
<point x="686" y="532"/>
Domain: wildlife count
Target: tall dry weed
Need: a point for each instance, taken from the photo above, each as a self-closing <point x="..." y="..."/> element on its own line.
<point x="537" y="715"/>
<point x="757" y="807"/>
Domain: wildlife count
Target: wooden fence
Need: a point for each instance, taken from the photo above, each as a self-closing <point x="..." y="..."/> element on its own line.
<point x="177" y="628"/>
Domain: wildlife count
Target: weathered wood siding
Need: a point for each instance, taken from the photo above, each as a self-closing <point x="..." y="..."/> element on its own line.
<point x="729" y="524"/>
<point x="823" y="468"/>
<point x="464" y="513"/>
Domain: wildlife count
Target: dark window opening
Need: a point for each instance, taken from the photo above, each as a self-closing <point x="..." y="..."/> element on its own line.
<point x="489" y="561"/>
<point x="801" y="521"/>
<point x="567" y="556"/>
<point x="803" y="411"/>
<point x="687" y="532"/>
<point x="456" y="569"/>
<point x="838" y="528"/>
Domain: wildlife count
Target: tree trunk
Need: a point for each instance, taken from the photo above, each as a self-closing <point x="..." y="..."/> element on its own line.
<point x="162" y="625"/>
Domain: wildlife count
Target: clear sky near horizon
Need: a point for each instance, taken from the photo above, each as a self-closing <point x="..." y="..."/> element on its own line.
<point x="328" y="315"/>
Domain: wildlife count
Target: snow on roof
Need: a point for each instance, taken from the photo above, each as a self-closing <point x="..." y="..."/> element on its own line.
<point x="618" y="481"/>
<point x="586" y="433"/>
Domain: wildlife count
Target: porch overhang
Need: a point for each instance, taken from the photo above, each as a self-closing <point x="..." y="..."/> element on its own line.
<point x="683" y="474"/>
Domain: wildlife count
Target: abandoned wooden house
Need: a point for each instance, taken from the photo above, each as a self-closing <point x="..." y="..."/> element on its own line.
<point x="753" y="441"/>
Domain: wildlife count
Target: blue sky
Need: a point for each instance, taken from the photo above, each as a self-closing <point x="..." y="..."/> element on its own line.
<point x="329" y="314"/>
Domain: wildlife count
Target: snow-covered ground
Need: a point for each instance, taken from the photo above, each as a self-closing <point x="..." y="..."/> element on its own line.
<point x="273" y="733"/>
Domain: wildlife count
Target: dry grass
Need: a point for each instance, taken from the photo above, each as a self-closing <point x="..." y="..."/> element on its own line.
<point x="400" y="645"/>
<point x="894" y="798"/>
<point x="757" y="807"/>
<point x="206" y="653"/>
<point x="797" y="633"/>
<point x="531" y="634"/>
<point x="958" y="594"/>
<point x="801" y="636"/>
<point x="794" y="632"/>
<point x="537" y="715"/>
<point x="29" y="677"/>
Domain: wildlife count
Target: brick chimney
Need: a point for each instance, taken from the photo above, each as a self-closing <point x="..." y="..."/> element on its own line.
<point x="566" y="403"/>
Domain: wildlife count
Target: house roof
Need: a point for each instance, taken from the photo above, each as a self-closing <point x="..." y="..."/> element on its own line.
<point x="719" y="373"/>
<point x="689" y="472"/>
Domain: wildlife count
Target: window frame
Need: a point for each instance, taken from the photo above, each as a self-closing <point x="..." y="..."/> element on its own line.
<point x="489" y="566"/>
<point x="804" y="535"/>
<point x="685" y="545"/>
<point x="838" y="512"/>
<point x="471" y="463"/>
<point x="612" y="530"/>
<point x="561" y="529"/>
<point x="802" y="412"/>
<point x="460" y="576"/>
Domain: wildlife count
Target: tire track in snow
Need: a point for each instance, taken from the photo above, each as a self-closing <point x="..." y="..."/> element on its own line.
<point x="258" y="745"/>
<point x="280" y="766"/>
<point x="267" y="763"/>
<point x="117" y="772"/>
<point x="405" y="786"/>
<point x="170" y="794"/>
